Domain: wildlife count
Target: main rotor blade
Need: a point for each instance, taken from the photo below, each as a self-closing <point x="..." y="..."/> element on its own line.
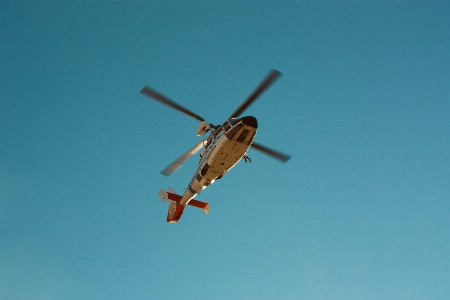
<point x="179" y="162"/>
<point x="256" y="93"/>
<point x="266" y="150"/>
<point x="163" y="99"/>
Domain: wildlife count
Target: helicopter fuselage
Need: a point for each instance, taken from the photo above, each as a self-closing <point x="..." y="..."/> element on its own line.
<point x="223" y="149"/>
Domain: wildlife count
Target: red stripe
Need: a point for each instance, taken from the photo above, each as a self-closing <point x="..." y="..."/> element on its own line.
<point x="197" y="203"/>
<point x="174" y="197"/>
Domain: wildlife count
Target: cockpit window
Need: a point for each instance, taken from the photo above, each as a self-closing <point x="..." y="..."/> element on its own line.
<point x="234" y="121"/>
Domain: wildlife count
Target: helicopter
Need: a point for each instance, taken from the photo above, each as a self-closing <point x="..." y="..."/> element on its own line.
<point x="226" y="145"/>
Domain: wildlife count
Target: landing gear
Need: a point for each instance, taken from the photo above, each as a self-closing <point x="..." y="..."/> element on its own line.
<point x="246" y="157"/>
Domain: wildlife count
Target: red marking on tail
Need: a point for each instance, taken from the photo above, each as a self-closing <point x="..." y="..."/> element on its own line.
<point x="176" y="209"/>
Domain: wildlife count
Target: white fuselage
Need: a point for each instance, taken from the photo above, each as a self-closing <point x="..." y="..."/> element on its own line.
<point x="224" y="148"/>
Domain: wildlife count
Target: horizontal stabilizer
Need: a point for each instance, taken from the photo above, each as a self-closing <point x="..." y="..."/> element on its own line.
<point x="174" y="197"/>
<point x="200" y="204"/>
<point x="177" y="198"/>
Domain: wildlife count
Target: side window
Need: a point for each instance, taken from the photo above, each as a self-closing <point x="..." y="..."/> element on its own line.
<point x="242" y="136"/>
<point x="204" y="170"/>
<point x="217" y="131"/>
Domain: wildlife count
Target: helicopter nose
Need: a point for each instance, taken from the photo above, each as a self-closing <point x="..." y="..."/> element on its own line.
<point x="250" y="121"/>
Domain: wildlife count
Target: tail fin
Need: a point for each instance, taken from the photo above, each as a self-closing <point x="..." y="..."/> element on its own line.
<point x="176" y="209"/>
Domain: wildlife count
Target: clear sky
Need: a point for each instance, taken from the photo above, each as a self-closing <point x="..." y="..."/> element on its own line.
<point x="361" y="211"/>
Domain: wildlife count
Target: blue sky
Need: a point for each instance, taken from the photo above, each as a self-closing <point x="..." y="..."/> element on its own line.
<point x="361" y="211"/>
